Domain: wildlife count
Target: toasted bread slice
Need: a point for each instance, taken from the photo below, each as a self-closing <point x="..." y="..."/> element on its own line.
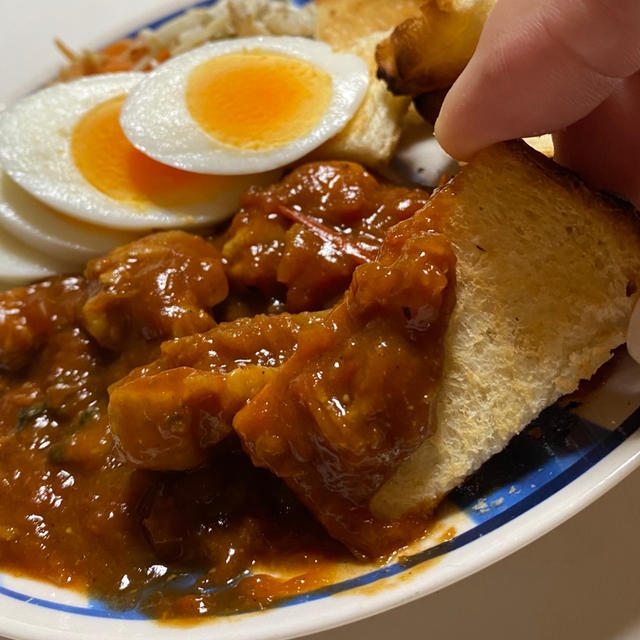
<point x="428" y="51"/>
<point x="547" y="275"/>
<point x="371" y="136"/>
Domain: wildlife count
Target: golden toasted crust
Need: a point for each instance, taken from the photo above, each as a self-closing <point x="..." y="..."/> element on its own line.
<point x="428" y="51"/>
<point x="547" y="274"/>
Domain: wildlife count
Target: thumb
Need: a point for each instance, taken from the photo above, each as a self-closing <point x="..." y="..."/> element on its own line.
<point x="539" y="66"/>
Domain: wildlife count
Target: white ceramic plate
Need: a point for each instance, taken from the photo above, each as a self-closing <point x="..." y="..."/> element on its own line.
<point x="570" y="457"/>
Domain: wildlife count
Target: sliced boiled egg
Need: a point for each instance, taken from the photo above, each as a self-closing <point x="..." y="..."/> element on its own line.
<point x="20" y="264"/>
<point x="244" y="105"/>
<point x="64" y="145"/>
<point x="41" y="227"/>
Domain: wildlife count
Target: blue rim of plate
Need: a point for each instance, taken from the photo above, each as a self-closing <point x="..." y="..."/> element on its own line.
<point x="557" y="448"/>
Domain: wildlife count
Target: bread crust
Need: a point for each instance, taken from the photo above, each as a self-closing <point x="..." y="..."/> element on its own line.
<point x="548" y="275"/>
<point x="428" y="50"/>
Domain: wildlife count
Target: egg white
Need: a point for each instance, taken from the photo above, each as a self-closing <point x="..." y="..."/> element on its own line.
<point x="156" y="119"/>
<point x="21" y="264"/>
<point x="35" y="150"/>
<point x="41" y="227"/>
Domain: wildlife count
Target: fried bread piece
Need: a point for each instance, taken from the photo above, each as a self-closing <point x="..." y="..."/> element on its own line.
<point x="357" y="26"/>
<point x="547" y="276"/>
<point x="428" y="51"/>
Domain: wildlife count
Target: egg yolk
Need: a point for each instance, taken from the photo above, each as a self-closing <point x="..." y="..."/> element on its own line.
<point x="108" y="161"/>
<point x="257" y="100"/>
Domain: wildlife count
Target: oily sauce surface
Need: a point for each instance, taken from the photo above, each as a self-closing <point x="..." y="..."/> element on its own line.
<point x="164" y="511"/>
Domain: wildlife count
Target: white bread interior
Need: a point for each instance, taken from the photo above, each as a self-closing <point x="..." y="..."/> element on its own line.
<point x="547" y="277"/>
<point x="371" y="136"/>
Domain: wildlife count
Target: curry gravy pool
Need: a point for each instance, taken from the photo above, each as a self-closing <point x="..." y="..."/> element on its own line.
<point x="176" y="521"/>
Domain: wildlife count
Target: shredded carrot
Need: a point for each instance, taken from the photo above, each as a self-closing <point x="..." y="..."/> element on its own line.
<point x="123" y="55"/>
<point x="162" y="55"/>
<point x="66" y="52"/>
<point x="127" y="54"/>
<point x="119" y="47"/>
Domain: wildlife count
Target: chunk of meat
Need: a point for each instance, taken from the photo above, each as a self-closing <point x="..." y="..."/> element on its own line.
<point x="167" y="421"/>
<point x="166" y="415"/>
<point x="301" y="239"/>
<point x="265" y="341"/>
<point x="355" y="398"/>
<point x="161" y="286"/>
<point x="29" y="314"/>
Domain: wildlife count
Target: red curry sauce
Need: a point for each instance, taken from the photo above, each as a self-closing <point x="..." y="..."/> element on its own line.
<point x="163" y="510"/>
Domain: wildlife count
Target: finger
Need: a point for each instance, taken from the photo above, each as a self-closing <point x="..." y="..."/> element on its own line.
<point x="539" y="66"/>
<point x="604" y="147"/>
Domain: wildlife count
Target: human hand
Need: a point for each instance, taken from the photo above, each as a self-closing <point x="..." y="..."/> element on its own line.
<point x="567" y="67"/>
